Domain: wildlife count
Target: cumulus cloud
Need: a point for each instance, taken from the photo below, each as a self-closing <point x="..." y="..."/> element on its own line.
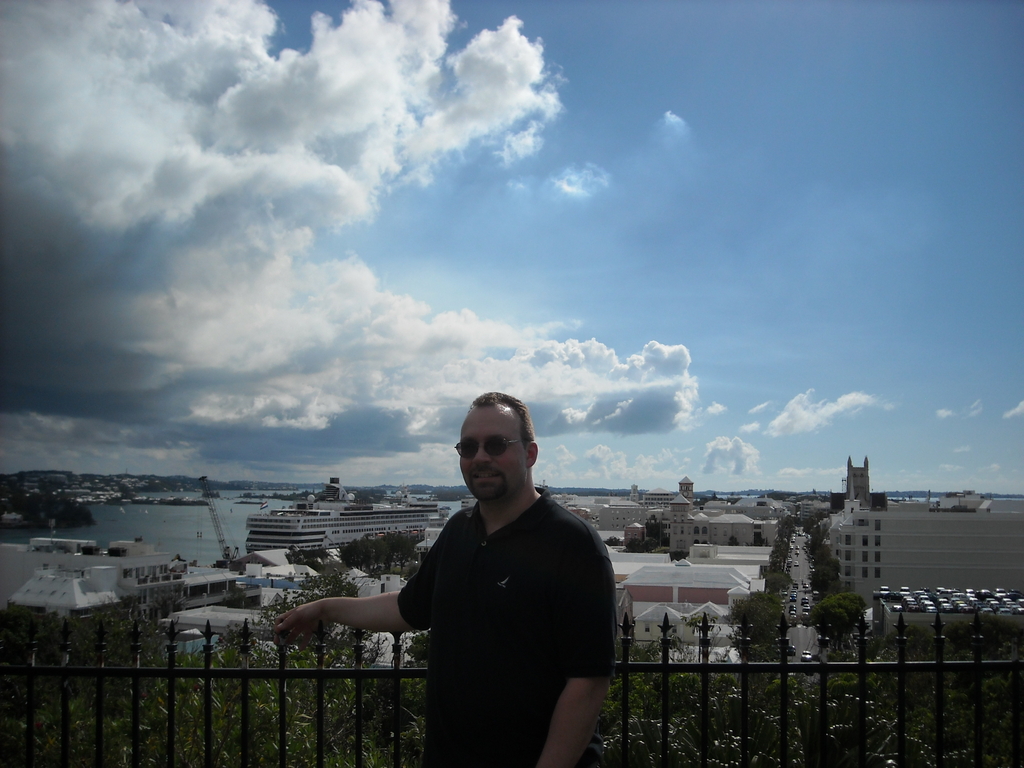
<point x="802" y="414"/>
<point x="793" y="472"/>
<point x="581" y="182"/>
<point x="1018" y="411"/>
<point x="761" y="407"/>
<point x="674" y="123"/>
<point x="166" y="176"/>
<point x="944" y="413"/>
<point x="716" y="408"/>
<point x="605" y="463"/>
<point x="753" y="426"/>
<point x="731" y="455"/>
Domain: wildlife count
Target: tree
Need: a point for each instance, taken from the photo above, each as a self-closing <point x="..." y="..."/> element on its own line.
<point x="825" y="576"/>
<point x="763" y="612"/>
<point x="776" y="582"/>
<point x="840" y="613"/>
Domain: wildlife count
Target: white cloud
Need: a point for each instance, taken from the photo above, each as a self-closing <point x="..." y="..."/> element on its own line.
<point x="944" y="413"/>
<point x="950" y="467"/>
<point x="962" y="449"/>
<point x="793" y="472"/>
<point x="675" y="123"/>
<point x="731" y="455"/>
<point x="1018" y="411"/>
<point x="716" y="408"/>
<point x="606" y="464"/>
<point x="974" y="410"/>
<point x="581" y="182"/>
<point x="191" y="169"/>
<point x="753" y="426"/>
<point x="803" y="415"/>
<point x="136" y="111"/>
<point x="761" y="407"/>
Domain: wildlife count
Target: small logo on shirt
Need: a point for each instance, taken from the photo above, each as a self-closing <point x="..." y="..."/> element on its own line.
<point x="503" y="583"/>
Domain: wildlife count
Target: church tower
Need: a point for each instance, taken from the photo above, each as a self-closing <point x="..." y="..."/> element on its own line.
<point x="858" y="484"/>
<point x="686" y="488"/>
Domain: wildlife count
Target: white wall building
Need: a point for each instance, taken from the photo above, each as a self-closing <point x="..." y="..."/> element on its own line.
<point x="725" y="529"/>
<point x="919" y="547"/>
<point x="968" y="542"/>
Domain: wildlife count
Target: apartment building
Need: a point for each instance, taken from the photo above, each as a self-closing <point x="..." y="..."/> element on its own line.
<point x="920" y="545"/>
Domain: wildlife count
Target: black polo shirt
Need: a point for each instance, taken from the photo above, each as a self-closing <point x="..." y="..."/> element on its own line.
<point x="511" y="616"/>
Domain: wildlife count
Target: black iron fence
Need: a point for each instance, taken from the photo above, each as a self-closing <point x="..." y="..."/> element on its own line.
<point x="940" y="712"/>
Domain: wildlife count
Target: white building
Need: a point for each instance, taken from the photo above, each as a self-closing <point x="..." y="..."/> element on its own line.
<point x="73" y="576"/>
<point x="724" y="529"/>
<point x="977" y="543"/>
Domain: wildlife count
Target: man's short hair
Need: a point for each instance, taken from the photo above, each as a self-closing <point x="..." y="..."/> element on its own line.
<point x="495" y="399"/>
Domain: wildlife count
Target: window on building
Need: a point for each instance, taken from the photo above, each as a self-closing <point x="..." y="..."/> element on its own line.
<point x="848" y="539"/>
<point x="878" y="541"/>
<point x="861" y="521"/>
<point x="878" y="557"/>
<point x="863" y="541"/>
<point x="878" y="573"/>
<point x="705" y="529"/>
<point x="848" y="571"/>
<point x="849" y="555"/>
<point x="864" y="556"/>
<point x="878" y="525"/>
<point x="863" y="573"/>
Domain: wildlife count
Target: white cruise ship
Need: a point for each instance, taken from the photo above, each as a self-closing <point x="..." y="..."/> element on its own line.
<point x="336" y="520"/>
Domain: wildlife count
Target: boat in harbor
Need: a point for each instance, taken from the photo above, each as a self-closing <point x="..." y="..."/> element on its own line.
<point x="337" y="519"/>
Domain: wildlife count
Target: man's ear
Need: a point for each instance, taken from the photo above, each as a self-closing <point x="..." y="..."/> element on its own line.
<point x="532" y="449"/>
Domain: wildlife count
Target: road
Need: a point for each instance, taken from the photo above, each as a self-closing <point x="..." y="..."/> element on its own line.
<point x="803" y="638"/>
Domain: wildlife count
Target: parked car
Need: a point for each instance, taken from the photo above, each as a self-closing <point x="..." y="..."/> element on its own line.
<point x="806" y="656"/>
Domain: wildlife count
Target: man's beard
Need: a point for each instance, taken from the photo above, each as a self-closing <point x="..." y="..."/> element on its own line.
<point x="495" y="487"/>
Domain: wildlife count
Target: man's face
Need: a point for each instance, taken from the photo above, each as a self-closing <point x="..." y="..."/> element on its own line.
<point x="490" y="478"/>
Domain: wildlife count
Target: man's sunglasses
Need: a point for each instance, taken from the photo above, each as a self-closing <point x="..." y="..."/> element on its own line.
<point x="495" y="446"/>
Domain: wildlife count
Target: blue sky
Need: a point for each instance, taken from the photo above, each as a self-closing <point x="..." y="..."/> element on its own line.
<point x="735" y="241"/>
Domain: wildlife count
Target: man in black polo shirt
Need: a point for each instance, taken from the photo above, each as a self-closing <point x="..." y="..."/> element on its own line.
<point x="519" y="597"/>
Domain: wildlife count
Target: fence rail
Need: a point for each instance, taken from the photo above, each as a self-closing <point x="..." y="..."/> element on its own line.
<point x="826" y="713"/>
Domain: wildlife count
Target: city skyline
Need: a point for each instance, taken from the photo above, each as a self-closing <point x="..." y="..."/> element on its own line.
<point x="739" y="242"/>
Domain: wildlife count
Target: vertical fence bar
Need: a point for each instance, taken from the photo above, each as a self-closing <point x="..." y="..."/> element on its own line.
<point x="136" y="650"/>
<point x="282" y="709"/>
<point x="207" y="697"/>
<point x="172" y="651"/>
<point x="744" y="693"/>
<point x="101" y="649"/>
<point x="665" y="644"/>
<point x="30" y="697"/>
<point x="396" y="700"/>
<point x="979" y="711"/>
<point x="823" y="746"/>
<point x="862" y="693"/>
<point x="784" y="692"/>
<point x="244" y="736"/>
<point x="940" y="699"/>
<point x="65" y="696"/>
<point x="358" y="650"/>
<point x="1015" y="705"/>
<point x="627" y="641"/>
<point x="901" y="693"/>
<point x="321" y="649"/>
<point x="705" y="691"/>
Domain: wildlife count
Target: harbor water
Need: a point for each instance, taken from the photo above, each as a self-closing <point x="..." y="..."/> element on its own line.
<point x="187" y="531"/>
